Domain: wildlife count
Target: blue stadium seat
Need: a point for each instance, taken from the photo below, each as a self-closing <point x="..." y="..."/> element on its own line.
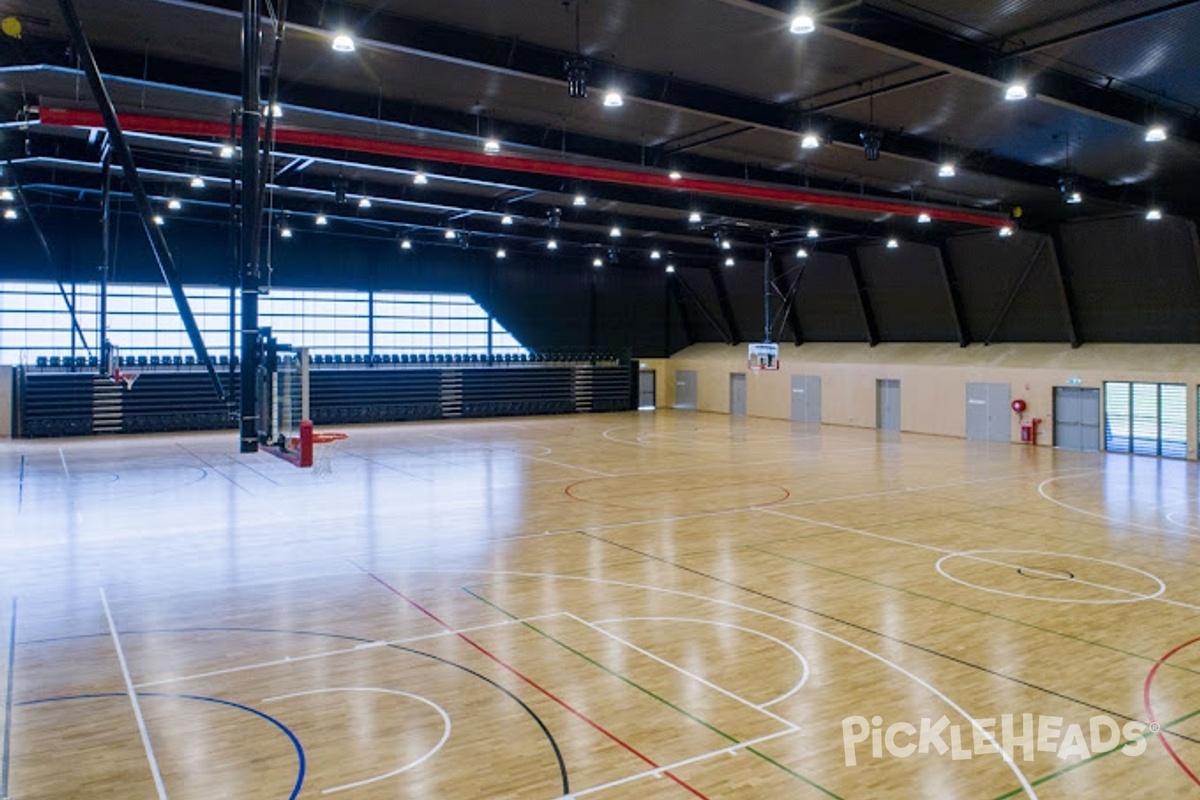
<point x="42" y="361"/>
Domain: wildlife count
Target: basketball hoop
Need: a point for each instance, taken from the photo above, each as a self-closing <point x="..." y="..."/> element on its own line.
<point x="322" y="460"/>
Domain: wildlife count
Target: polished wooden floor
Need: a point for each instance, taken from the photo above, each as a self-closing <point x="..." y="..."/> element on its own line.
<point x="652" y="605"/>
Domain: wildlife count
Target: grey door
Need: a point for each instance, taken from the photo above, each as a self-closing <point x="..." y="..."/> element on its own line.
<point x="987" y="412"/>
<point x="685" y="389"/>
<point x="1076" y="418"/>
<point x="887" y="405"/>
<point x="806" y="399"/>
<point x="737" y="394"/>
<point x="646" y="397"/>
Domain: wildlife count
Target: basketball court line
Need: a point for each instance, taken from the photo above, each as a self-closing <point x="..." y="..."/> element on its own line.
<point x="358" y="648"/>
<point x="63" y="457"/>
<point x="953" y="604"/>
<point x="962" y="554"/>
<point x="133" y="698"/>
<point x="20" y="495"/>
<point x="1146" y="700"/>
<point x="689" y="675"/>
<point x="262" y="475"/>
<point x="1107" y="519"/>
<point x="387" y="466"/>
<point x="212" y="468"/>
<point x="979" y="730"/>
<point x="790" y="727"/>
<point x="804" y="672"/>
<point x="973" y="555"/>
<point x="888" y="637"/>
<point x="446" y="728"/>
<point x="8" y="701"/>
<point x="749" y="744"/>
<point x="484" y="651"/>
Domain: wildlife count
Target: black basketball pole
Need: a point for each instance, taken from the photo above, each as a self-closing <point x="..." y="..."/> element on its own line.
<point x="250" y="222"/>
<point x="106" y="249"/>
<point x="158" y="242"/>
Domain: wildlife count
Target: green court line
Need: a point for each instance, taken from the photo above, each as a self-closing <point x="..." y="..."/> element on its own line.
<point x="648" y="692"/>
<point x="953" y="604"/>
<point x="1096" y="757"/>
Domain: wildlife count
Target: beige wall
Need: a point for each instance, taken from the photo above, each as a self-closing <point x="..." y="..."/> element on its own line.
<point x="6" y="402"/>
<point x="933" y="378"/>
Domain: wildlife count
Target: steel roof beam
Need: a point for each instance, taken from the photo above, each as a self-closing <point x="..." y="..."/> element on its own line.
<point x="514" y="57"/>
<point x="903" y="37"/>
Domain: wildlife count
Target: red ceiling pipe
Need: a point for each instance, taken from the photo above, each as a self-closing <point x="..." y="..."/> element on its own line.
<point x="141" y="123"/>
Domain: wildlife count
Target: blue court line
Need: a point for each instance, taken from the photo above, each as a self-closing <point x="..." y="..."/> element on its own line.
<point x="287" y="731"/>
<point x="20" y="497"/>
<point x="8" y="700"/>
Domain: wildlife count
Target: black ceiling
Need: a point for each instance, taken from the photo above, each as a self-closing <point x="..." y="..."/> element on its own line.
<point x="717" y="89"/>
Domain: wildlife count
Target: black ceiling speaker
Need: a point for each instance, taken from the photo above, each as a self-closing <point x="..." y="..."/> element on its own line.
<point x="872" y="141"/>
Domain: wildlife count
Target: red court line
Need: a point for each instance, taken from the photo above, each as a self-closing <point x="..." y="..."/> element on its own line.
<point x="1150" y="711"/>
<point x="526" y="679"/>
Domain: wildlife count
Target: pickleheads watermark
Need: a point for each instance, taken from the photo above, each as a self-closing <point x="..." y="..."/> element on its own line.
<point x="1027" y="734"/>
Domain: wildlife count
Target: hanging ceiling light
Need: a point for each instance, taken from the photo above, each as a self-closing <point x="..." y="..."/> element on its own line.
<point x="613" y="98"/>
<point x="276" y="110"/>
<point x="670" y="269"/>
<point x="813" y="233"/>
<point x="1006" y="232"/>
<point x="1154" y="214"/>
<point x="227" y="151"/>
<point x="420" y="178"/>
<point x="947" y="170"/>
<point x="924" y="218"/>
<point x="615" y="233"/>
<point x="501" y="253"/>
<point x="801" y="253"/>
<point x="893" y="244"/>
<point x="321" y="220"/>
<point x="491" y="146"/>
<point x="10" y="213"/>
<point x="285" y="232"/>
<point x="729" y="262"/>
<point x="1017" y="90"/>
<point x="675" y="175"/>
<point x="810" y="141"/>
<point x="406" y="244"/>
<point x="197" y="182"/>
<point x="173" y="204"/>
<point x="450" y="234"/>
<point x="6" y="195"/>
<point x="802" y="23"/>
<point x="552" y="244"/>
<point x="580" y="201"/>
<point x="1156" y="133"/>
<point x="343" y="43"/>
<point x="655" y="255"/>
<point x="364" y="202"/>
<point x="506" y="219"/>
<point x="597" y="262"/>
<point x="695" y="218"/>
<point x="158" y="219"/>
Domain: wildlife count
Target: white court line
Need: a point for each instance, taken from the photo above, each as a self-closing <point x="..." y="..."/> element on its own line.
<point x="63" y="457"/>
<point x="945" y="552"/>
<point x="972" y="555"/>
<point x="804" y="670"/>
<point x="1093" y="514"/>
<point x="684" y="672"/>
<point x="657" y="772"/>
<point x="133" y="698"/>
<point x="358" y="648"/>
<point x="441" y="712"/>
<point x="979" y="730"/>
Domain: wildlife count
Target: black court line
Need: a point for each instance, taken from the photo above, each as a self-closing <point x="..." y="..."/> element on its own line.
<point x="558" y="756"/>
<point x="262" y="475"/>
<point x="880" y="634"/>
<point x="8" y="701"/>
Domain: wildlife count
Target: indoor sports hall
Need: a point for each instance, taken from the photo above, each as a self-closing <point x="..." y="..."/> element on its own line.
<point x="603" y="398"/>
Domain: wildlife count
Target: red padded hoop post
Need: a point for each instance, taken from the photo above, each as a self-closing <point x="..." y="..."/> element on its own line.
<point x="306" y="443"/>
